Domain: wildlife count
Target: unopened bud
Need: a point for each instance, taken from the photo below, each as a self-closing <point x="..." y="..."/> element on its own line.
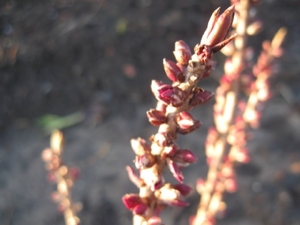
<point x="173" y="72"/>
<point x="182" y="52"/>
<point x="156" y="117"/>
<point x="201" y="96"/>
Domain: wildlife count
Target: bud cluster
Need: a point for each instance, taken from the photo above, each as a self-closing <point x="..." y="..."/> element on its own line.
<point x="226" y="142"/>
<point x="172" y="116"/>
<point x="63" y="176"/>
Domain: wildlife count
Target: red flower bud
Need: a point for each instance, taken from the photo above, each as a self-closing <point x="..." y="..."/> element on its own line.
<point x="131" y="201"/>
<point x="173" y="72"/>
<point x="182" y="52"/>
<point x="186" y="123"/>
<point x="169" y="150"/>
<point x="184" y="157"/>
<point x="175" y="170"/>
<point x="140" y="209"/>
<point x="183" y="189"/>
<point x="200" y="97"/>
<point x="217" y="29"/>
<point x="156" y="117"/>
<point x="134" y="177"/>
<point x="171" y="95"/>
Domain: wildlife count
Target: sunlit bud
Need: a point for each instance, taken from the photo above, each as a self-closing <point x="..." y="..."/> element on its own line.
<point x="169" y="151"/>
<point x="134" y="177"/>
<point x="173" y="72"/>
<point x="186" y="123"/>
<point x="201" y="96"/>
<point x="183" y="189"/>
<point x="144" y="161"/>
<point x="155" y="86"/>
<point x="170" y="196"/>
<point x="139" y="146"/>
<point x="254" y="28"/>
<point x="131" y="201"/>
<point x="184" y="157"/>
<point x="218" y="28"/>
<point x="152" y="178"/>
<point x="182" y="52"/>
<point x="200" y="185"/>
<point x="156" y="117"/>
<point x="171" y="95"/>
<point x="162" y="139"/>
<point x="175" y="170"/>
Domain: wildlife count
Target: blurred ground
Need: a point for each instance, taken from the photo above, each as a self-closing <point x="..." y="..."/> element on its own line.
<point x="96" y="58"/>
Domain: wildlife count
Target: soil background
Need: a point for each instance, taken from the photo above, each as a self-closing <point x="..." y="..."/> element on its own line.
<point x="93" y="60"/>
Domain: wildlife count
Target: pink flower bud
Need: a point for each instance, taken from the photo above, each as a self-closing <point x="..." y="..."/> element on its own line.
<point x="169" y="150"/>
<point x="163" y="139"/>
<point x="131" y="201"/>
<point x="140" y="209"/>
<point x="173" y="72"/>
<point x="144" y="161"/>
<point x="200" y="97"/>
<point x="218" y="28"/>
<point x="140" y="146"/>
<point x="183" y="189"/>
<point x="156" y="117"/>
<point x="175" y="170"/>
<point x="182" y="52"/>
<point x="170" y="196"/>
<point x="186" y="123"/>
<point x="171" y="95"/>
<point x="134" y="178"/>
<point x="184" y="157"/>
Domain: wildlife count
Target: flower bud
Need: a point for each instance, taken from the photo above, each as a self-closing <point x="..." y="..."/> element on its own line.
<point x="218" y="28"/>
<point x="162" y="139"/>
<point x="171" y="95"/>
<point x="169" y="150"/>
<point x="170" y="196"/>
<point x="175" y="170"/>
<point x="184" y="157"/>
<point x="182" y="52"/>
<point x="139" y="146"/>
<point x="156" y="117"/>
<point x="173" y="72"/>
<point x="131" y="200"/>
<point x="152" y="178"/>
<point x="183" y="189"/>
<point x="134" y="178"/>
<point x="144" y="161"/>
<point x="186" y="123"/>
<point x="201" y="96"/>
